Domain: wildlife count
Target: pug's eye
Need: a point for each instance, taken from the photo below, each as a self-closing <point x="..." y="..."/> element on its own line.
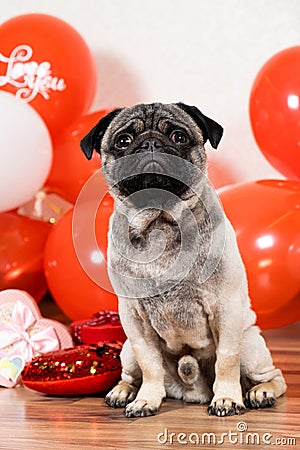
<point x="179" y="137"/>
<point x="123" y="140"/>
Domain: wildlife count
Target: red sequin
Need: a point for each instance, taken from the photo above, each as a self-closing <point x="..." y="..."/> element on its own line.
<point x="72" y="363"/>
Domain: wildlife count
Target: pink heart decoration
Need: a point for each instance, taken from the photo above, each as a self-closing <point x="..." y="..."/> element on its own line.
<point x="24" y="334"/>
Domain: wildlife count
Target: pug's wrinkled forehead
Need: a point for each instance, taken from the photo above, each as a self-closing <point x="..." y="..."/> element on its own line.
<point x="162" y="118"/>
<point x="154" y="116"/>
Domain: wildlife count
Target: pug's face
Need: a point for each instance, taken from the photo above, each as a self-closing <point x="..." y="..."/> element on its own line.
<point x="143" y="147"/>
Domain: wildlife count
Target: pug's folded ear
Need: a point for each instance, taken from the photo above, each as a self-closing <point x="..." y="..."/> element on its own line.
<point x="211" y="130"/>
<point x="92" y="141"/>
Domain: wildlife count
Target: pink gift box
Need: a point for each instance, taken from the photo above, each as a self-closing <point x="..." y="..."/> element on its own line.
<point x="24" y="334"/>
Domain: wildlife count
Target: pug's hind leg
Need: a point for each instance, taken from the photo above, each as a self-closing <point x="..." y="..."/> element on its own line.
<point x="126" y="390"/>
<point x="257" y="367"/>
<point x="263" y="395"/>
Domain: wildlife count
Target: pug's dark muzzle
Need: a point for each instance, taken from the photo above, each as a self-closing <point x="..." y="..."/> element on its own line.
<point x="151" y="181"/>
<point x="152" y="167"/>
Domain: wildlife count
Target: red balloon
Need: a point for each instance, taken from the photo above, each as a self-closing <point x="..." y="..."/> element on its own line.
<point x="282" y="316"/>
<point x="293" y="258"/>
<point x="22" y="242"/>
<point x="75" y="265"/>
<point x="70" y="168"/>
<point x="275" y="111"/>
<point x="45" y="61"/>
<point x="266" y="218"/>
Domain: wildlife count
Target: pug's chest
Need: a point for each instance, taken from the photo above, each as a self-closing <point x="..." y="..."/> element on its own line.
<point x="181" y="323"/>
<point x="145" y="255"/>
<point x="161" y="252"/>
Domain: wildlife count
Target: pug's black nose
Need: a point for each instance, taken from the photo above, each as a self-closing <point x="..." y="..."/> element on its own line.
<point x="151" y="145"/>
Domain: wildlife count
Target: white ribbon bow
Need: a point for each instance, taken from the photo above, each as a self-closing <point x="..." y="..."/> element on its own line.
<point x="29" y="343"/>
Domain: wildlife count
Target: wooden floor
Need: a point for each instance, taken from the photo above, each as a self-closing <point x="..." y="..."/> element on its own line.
<point x="30" y="421"/>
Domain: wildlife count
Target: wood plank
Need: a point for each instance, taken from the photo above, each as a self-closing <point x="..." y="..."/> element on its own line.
<point x="31" y="421"/>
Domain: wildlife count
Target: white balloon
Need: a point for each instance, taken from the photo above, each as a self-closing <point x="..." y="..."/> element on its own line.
<point x="25" y="152"/>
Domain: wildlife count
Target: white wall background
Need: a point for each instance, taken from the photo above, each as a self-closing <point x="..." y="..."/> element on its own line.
<point x="202" y="52"/>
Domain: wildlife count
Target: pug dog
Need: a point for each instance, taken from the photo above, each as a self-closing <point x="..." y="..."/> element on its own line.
<point x="174" y="263"/>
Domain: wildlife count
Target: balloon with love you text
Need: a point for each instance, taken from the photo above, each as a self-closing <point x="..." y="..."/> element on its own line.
<point x="25" y="152"/>
<point x="275" y="111"/>
<point x="46" y="63"/>
<point x="266" y="217"/>
<point x="70" y="168"/>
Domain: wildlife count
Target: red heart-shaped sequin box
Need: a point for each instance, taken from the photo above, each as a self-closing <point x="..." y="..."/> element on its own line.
<point x="82" y="370"/>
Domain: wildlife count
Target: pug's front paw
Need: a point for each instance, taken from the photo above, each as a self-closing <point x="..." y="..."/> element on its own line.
<point x="122" y="394"/>
<point x="225" y="407"/>
<point x="141" y="408"/>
